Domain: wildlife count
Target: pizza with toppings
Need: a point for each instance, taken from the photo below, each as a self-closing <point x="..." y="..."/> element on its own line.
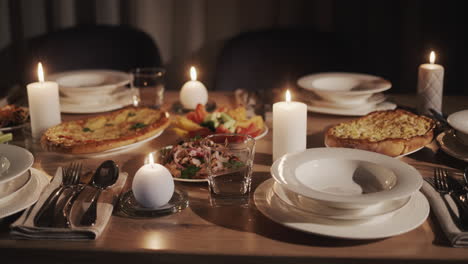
<point x="105" y="132"/>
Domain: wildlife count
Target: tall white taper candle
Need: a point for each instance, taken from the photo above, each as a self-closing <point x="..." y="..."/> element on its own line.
<point x="44" y="104"/>
<point x="289" y="127"/>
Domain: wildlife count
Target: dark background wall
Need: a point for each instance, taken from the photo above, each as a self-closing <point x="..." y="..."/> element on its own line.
<point x="389" y="38"/>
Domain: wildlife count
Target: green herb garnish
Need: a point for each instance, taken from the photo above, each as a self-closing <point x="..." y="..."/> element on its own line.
<point x="234" y="164"/>
<point x="87" y="129"/>
<point x="189" y="172"/>
<point x="131" y="114"/>
<point x="138" y="126"/>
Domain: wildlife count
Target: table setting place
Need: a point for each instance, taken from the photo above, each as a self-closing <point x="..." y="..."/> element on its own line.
<point x="356" y="185"/>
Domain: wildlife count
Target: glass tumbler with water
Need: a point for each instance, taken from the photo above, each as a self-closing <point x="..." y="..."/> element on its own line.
<point x="229" y="159"/>
<point x="153" y="78"/>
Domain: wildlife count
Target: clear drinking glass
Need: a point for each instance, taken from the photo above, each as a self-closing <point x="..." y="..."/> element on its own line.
<point x="229" y="160"/>
<point x="149" y="78"/>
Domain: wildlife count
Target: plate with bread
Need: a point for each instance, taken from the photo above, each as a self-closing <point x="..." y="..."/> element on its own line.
<point x="117" y="130"/>
<point x="394" y="133"/>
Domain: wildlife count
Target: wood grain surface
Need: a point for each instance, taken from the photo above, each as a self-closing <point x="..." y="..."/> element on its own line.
<point x="205" y="234"/>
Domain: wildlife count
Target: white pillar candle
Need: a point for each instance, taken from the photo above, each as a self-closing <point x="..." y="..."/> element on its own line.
<point x="430" y="86"/>
<point x="289" y="127"/>
<point x="193" y="92"/>
<point x="44" y="104"/>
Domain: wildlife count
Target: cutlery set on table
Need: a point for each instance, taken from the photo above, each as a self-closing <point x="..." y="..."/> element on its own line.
<point x="70" y="208"/>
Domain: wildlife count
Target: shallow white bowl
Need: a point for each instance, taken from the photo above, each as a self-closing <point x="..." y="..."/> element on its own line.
<point x="344" y="88"/>
<point x="346" y="178"/>
<point x="90" y="82"/>
<point x="459" y="121"/>
<point x="20" y="161"/>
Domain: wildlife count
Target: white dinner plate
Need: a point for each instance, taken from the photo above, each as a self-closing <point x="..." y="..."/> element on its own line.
<point x="83" y="108"/>
<point x="86" y="82"/>
<point x="357" y="111"/>
<point x="20" y="161"/>
<point x="10" y="187"/>
<point x="116" y="150"/>
<point x="408" y="218"/>
<point x="346" y="178"/>
<point x="8" y="129"/>
<point x="300" y="202"/>
<point x="371" y="102"/>
<point x="26" y="196"/>
<point x="450" y="145"/>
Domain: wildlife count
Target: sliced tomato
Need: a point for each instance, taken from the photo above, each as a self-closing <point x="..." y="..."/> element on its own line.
<point x="198" y="115"/>
<point x="222" y="130"/>
<point x="251" y="130"/>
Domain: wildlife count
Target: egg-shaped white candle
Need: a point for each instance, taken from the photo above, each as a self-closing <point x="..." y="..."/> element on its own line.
<point x="44" y="104"/>
<point x="193" y="92"/>
<point x="153" y="185"/>
<point x="289" y="127"/>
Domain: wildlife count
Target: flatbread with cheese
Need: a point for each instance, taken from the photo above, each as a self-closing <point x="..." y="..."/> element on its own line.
<point x="105" y="132"/>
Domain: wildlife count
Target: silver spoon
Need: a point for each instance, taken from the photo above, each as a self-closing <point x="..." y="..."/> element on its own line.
<point x="105" y="176"/>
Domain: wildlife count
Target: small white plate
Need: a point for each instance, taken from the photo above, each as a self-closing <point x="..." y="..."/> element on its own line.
<point x="450" y="145"/>
<point x="86" y="82"/>
<point x="346" y="178"/>
<point x="343" y="87"/>
<point x="20" y="161"/>
<point x="357" y="111"/>
<point x="317" y="208"/>
<point x="408" y="218"/>
<point x="25" y="197"/>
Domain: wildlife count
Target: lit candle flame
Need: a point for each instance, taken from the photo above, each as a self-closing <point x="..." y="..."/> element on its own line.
<point x="151" y="159"/>
<point x="288" y="96"/>
<point x="40" y="72"/>
<point x="432" y="57"/>
<point x="193" y="73"/>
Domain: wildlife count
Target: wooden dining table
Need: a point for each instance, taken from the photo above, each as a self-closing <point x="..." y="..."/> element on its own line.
<point x="231" y="234"/>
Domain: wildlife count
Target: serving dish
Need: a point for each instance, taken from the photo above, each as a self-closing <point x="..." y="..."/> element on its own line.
<point x="343" y="87"/>
<point x="12" y="186"/>
<point x="87" y="82"/>
<point x="346" y="178"/>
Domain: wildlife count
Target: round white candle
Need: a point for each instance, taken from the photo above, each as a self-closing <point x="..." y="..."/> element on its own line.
<point x="44" y="104"/>
<point x="153" y="185"/>
<point x="193" y="92"/>
<point x="430" y="86"/>
<point x="289" y="127"/>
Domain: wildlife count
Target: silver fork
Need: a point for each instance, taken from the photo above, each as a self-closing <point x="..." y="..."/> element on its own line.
<point x="70" y="177"/>
<point x="444" y="185"/>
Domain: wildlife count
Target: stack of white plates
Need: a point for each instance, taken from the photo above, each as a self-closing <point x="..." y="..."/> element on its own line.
<point x="20" y="185"/>
<point x="350" y="94"/>
<point x="92" y="91"/>
<point x="344" y="193"/>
